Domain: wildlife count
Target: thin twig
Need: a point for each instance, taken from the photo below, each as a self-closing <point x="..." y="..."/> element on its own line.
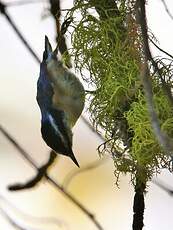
<point x="42" y="220"/>
<point x="25" y="155"/>
<point x="11" y="22"/>
<point x="55" y="10"/>
<point x="11" y="221"/>
<point x="92" y="128"/>
<point x="75" y="201"/>
<point x="93" y="165"/>
<point x="39" y="176"/>
<point x="163" y="187"/>
<point x="14" y="223"/>
<point x="163" y="51"/>
<point x="167" y="10"/>
<point x="51" y="180"/>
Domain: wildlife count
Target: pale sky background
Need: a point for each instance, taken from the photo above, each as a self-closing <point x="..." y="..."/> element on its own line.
<point x="21" y="116"/>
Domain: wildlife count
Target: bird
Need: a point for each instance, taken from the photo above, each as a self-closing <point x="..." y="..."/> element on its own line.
<point x="61" y="98"/>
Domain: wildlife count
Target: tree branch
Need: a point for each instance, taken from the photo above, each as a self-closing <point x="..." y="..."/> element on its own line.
<point x="92" y="128"/>
<point x="163" y="51"/>
<point x="38" y="220"/>
<point x="11" y="221"/>
<point x="55" y="10"/>
<point x="167" y="10"/>
<point x="163" y="187"/>
<point x="41" y="172"/>
<point x="10" y="21"/>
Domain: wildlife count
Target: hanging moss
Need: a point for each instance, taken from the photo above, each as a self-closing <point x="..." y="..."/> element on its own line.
<point x="109" y="47"/>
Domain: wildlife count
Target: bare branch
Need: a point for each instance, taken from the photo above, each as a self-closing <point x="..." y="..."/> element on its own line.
<point x="163" y="187"/>
<point x="39" y="176"/>
<point x="45" y="220"/>
<point x="55" y="10"/>
<point x="11" y="221"/>
<point x="9" y="19"/>
<point x="166" y="8"/>
<point x="24" y="154"/>
<point x="92" y="128"/>
<point x="14" y="223"/>
<point x="163" y="51"/>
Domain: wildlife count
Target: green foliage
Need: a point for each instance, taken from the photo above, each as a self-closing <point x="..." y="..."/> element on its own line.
<point x="109" y="47"/>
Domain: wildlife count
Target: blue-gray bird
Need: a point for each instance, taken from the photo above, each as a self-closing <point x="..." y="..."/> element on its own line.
<point x="60" y="96"/>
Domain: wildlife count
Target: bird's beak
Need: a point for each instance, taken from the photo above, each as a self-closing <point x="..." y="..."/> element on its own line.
<point x="74" y="159"/>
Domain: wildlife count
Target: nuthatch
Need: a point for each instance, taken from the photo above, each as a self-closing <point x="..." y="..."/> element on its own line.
<point x="60" y="96"/>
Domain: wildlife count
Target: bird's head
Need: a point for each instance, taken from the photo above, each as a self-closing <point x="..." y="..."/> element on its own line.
<point x="48" y="53"/>
<point x="56" y="133"/>
<point x="50" y="58"/>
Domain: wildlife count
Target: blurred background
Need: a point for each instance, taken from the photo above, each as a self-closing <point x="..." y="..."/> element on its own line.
<point x="43" y="207"/>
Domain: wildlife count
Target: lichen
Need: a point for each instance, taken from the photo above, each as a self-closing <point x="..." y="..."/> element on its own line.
<point x="109" y="47"/>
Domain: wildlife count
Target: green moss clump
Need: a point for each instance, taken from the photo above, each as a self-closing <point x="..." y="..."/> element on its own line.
<point x="108" y="45"/>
